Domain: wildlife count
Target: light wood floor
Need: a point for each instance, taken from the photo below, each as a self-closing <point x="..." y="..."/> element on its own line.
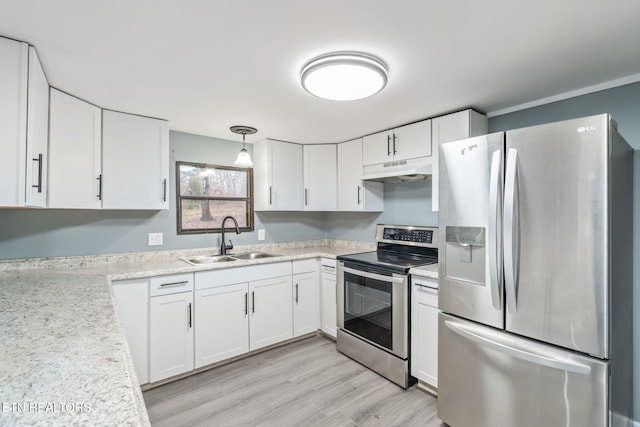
<point x="306" y="383"/>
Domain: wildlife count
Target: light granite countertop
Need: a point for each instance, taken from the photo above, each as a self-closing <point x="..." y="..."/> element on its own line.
<point x="65" y="360"/>
<point x="430" y="271"/>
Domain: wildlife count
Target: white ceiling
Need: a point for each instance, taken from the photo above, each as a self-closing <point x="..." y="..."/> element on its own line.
<point x="206" y="65"/>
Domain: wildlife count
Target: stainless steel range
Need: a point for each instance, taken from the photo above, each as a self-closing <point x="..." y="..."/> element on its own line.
<point x="373" y="299"/>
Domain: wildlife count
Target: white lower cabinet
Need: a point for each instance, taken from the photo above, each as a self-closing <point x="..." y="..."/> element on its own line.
<point x="221" y="323"/>
<point x="328" y="299"/>
<point x="171" y="325"/>
<point x="306" y="304"/>
<point x="132" y="298"/>
<point x="424" y="331"/>
<point x="242" y="309"/>
<point x="170" y="335"/>
<point x="271" y="318"/>
<point x="180" y="322"/>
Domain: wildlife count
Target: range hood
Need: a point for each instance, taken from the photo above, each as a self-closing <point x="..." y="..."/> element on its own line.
<point x="400" y="170"/>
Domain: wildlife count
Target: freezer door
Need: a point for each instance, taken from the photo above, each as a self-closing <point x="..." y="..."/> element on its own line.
<point x="490" y="378"/>
<point x="470" y="257"/>
<point x="555" y="233"/>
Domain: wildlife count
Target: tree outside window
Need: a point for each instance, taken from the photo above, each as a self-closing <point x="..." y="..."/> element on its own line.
<point x="207" y="193"/>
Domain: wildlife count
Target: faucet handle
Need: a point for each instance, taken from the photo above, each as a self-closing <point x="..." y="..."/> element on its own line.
<point x="230" y="245"/>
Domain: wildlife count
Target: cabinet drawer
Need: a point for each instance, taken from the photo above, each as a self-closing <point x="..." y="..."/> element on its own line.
<point x="328" y="265"/>
<point x="424" y="294"/>
<point x="173" y="284"/>
<point x="304" y="265"/>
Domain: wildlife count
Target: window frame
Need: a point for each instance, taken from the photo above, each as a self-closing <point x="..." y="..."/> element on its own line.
<point x="180" y="198"/>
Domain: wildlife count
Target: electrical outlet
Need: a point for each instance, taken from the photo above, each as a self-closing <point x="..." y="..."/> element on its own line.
<point x="261" y="234"/>
<point x="155" y="239"/>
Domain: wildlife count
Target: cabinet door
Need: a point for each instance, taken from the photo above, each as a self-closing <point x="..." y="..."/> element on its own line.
<point x="132" y="298"/>
<point x="262" y="176"/>
<point x="74" y="153"/>
<point x="37" y="134"/>
<point x="320" y="177"/>
<point x="353" y="193"/>
<point x="13" y="120"/>
<point x="287" y="177"/>
<point x="135" y="162"/>
<point x="377" y="148"/>
<point x="329" y="305"/>
<point x="170" y="335"/>
<point x="452" y="127"/>
<point x="222" y="323"/>
<point x="424" y="334"/>
<point x="271" y="319"/>
<point x="411" y="141"/>
<point x="305" y="303"/>
<point x="349" y="173"/>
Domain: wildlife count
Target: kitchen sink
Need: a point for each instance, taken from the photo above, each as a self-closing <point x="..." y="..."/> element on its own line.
<point x="254" y="255"/>
<point x="199" y="260"/>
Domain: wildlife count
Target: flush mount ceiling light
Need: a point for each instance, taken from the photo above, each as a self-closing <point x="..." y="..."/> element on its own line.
<point x="344" y="76"/>
<point x="243" y="159"/>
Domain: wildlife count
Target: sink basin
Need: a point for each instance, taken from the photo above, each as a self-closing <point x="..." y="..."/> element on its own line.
<point x="198" y="260"/>
<point x="254" y="255"/>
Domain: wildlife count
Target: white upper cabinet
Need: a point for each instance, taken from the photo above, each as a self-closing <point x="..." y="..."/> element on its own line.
<point x="37" y="134"/>
<point x="353" y="193"/>
<point x="278" y="177"/>
<point x="405" y="142"/>
<point x="320" y="177"/>
<point x="14" y="64"/>
<point x="74" y="153"/>
<point x="453" y="127"/>
<point x="135" y="162"/>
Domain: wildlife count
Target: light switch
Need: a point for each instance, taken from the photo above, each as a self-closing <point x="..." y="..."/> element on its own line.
<point x="261" y="234"/>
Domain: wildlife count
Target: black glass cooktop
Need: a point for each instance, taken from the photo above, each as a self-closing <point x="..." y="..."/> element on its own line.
<point x="393" y="260"/>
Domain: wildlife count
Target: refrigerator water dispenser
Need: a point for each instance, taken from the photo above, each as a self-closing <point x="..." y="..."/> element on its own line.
<point x="465" y="254"/>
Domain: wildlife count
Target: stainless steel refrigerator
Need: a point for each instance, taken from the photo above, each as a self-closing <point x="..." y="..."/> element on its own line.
<point x="535" y="272"/>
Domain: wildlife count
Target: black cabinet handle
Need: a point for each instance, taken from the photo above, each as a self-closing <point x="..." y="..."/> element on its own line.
<point x="164" y="190"/>
<point x="246" y="303"/>
<point x="394" y="144"/>
<point x="253" y="302"/>
<point x="306" y="197"/>
<point x="270" y="195"/>
<point x="39" y="184"/>
<point x="296" y="293"/>
<point x="190" y="325"/>
<point x="184" y="282"/>
<point x="388" y="145"/>
<point x="358" y="194"/>
<point x="99" y="187"/>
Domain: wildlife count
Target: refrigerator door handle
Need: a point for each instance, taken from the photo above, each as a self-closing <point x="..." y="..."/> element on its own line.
<point x="536" y="358"/>
<point x="511" y="230"/>
<point x="494" y="238"/>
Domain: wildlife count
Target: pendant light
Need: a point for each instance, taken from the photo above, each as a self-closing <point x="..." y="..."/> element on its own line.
<point x="243" y="159"/>
<point x="344" y="76"/>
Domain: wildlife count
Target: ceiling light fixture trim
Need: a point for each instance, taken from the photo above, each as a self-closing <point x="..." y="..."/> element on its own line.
<point x="344" y="76"/>
<point x="243" y="159"/>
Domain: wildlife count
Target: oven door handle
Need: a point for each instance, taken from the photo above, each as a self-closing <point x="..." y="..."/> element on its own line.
<point x="368" y="275"/>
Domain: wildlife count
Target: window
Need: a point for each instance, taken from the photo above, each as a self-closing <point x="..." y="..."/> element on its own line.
<point x="208" y="193"/>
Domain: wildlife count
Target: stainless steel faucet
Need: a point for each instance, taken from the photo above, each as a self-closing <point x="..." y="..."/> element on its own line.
<point x="223" y="246"/>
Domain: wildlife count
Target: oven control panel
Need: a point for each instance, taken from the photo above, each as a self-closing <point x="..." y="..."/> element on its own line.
<point x="422" y="236"/>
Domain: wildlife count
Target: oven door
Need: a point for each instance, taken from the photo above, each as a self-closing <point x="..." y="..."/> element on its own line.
<point x="374" y="305"/>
